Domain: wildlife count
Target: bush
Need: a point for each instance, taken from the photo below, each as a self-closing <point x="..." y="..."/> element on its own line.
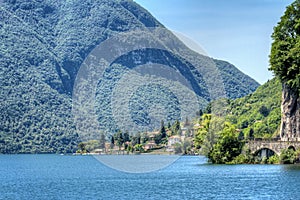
<point x="240" y="159"/>
<point x="288" y="156"/>
<point x="274" y="160"/>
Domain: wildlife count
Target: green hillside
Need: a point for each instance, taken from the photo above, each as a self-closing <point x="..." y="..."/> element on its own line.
<point x="258" y="113"/>
<point x="223" y="132"/>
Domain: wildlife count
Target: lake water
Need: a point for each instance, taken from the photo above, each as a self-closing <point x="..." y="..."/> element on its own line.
<point x="84" y="177"/>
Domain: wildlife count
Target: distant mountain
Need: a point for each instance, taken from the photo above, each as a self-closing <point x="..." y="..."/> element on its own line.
<point x="236" y="83"/>
<point x="43" y="45"/>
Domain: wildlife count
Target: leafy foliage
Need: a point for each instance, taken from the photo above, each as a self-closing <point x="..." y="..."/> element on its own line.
<point x="274" y="159"/>
<point x="202" y="131"/>
<point x="227" y="146"/>
<point x="288" y="156"/>
<point x="285" y="52"/>
<point x="258" y="114"/>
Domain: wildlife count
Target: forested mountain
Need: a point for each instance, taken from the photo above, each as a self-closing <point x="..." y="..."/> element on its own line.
<point x="258" y="114"/>
<point x="43" y="44"/>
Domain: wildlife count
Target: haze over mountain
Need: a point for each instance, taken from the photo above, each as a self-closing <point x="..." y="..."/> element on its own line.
<point x="43" y="45"/>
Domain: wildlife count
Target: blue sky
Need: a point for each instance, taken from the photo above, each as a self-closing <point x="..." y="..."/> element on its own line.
<point x="238" y="31"/>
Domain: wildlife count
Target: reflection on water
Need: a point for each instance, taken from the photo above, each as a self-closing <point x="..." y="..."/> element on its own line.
<point x="295" y="167"/>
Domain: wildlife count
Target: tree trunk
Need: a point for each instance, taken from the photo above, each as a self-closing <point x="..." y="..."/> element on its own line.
<point x="290" y="109"/>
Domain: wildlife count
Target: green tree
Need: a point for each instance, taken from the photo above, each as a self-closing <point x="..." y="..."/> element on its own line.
<point x="264" y="111"/>
<point x="120" y="139"/>
<point x="228" y="146"/>
<point x="157" y="138"/>
<point x="163" y="131"/>
<point x="285" y="51"/>
<point x="130" y="149"/>
<point x="102" y="141"/>
<point x="136" y="139"/>
<point x="202" y="131"/>
<point x="144" y="138"/>
<point x="126" y="137"/>
<point x="112" y="141"/>
<point x="214" y="128"/>
<point x="81" y="146"/>
<point x="176" y="127"/>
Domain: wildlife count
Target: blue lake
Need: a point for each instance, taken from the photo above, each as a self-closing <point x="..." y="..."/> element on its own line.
<point x="84" y="177"/>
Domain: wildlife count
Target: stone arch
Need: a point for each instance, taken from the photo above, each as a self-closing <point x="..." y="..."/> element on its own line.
<point x="265" y="152"/>
<point x="292" y="147"/>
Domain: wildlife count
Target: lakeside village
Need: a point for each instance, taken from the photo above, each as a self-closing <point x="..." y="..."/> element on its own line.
<point x="177" y="138"/>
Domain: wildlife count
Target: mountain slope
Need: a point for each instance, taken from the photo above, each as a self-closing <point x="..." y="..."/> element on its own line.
<point x="259" y="112"/>
<point x="233" y="79"/>
<point x="43" y="44"/>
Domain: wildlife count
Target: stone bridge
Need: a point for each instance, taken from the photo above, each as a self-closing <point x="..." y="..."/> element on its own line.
<point x="276" y="145"/>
